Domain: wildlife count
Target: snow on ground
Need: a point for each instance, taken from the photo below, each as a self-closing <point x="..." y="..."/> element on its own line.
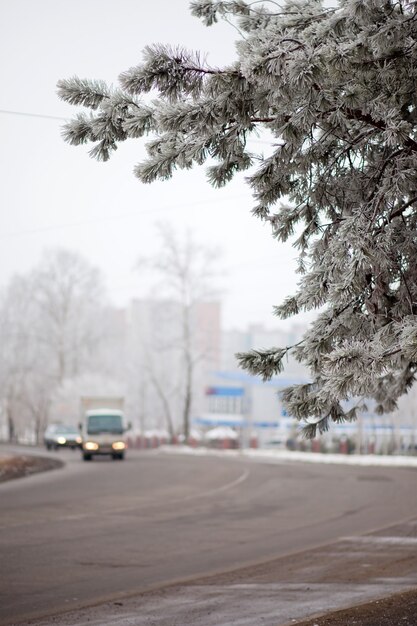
<point x="305" y="457"/>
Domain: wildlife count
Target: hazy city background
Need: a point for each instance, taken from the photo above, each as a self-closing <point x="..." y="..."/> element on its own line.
<point x="65" y="215"/>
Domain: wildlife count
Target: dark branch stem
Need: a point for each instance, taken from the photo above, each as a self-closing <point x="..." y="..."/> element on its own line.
<point x="402" y="208"/>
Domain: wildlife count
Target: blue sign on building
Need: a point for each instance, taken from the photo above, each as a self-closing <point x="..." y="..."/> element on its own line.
<point x="233" y="392"/>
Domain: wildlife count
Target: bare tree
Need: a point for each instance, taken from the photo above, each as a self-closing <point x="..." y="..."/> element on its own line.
<point x="17" y="354"/>
<point x="185" y="271"/>
<point x="164" y="396"/>
<point x="49" y="329"/>
<point x="68" y="293"/>
<point x="36" y="399"/>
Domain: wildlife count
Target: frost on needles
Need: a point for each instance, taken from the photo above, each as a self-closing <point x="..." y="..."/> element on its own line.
<point x="336" y="90"/>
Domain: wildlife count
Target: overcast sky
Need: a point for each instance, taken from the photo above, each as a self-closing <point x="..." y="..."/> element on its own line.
<point x="56" y="195"/>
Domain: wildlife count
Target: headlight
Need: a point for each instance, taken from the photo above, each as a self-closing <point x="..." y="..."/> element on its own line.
<point x="61" y="440"/>
<point x="91" y="445"/>
<point x="118" y="445"/>
<point x="78" y="439"/>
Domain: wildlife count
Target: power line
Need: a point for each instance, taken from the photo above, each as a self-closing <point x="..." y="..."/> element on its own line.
<point x="40" y="115"/>
<point x="65" y="119"/>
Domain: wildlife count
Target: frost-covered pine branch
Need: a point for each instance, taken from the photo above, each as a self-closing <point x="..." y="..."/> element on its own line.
<point x="335" y="88"/>
<point x="263" y="363"/>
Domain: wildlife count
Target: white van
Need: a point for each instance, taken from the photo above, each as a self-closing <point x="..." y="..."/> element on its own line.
<point x="103" y="432"/>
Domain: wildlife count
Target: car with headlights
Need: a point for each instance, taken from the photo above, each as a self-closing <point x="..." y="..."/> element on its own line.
<point x="62" y="436"/>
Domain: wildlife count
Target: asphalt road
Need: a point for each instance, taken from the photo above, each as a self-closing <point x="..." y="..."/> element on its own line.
<point x="94" y="531"/>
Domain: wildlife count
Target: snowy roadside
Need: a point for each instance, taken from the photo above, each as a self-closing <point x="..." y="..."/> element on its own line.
<point x="280" y="456"/>
<point x="12" y="467"/>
